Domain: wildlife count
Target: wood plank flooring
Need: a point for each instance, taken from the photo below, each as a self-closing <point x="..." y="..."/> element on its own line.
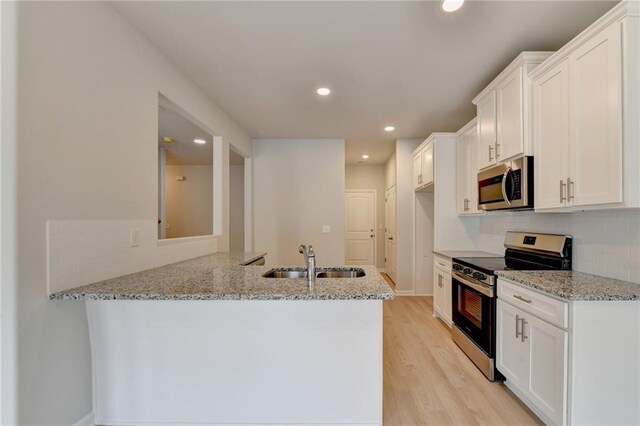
<point x="428" y="380"/>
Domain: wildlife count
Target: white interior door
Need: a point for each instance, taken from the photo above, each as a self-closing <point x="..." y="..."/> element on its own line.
<point x="360" y="244"/>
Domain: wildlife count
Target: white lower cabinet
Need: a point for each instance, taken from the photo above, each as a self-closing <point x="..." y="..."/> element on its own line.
<point x="532" y="355"/>
<point x="570" y="361"/>
<point x="442" y="303"/>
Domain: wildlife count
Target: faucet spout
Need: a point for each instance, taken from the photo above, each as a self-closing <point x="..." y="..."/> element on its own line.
<point x="310" y="262"/>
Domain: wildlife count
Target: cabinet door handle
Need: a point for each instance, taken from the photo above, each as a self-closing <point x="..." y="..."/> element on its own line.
<point x="523" y="337"/>
<point x="497" y="152"/>
<point x="518" y="333"/>
<point x="563" y="198"/>
<point x="525" y="300"/>
<point x="570" y="189"/>
<point x="490" y="153"/>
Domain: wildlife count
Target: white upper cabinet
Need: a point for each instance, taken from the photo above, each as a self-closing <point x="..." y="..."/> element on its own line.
<point x="423" y="165"/>
<point x="586" y="118"/>
<point x="487" y="129"/>
<point x="504" y="112"/>
<point x="467" y="169"/>
<point x="510" y="137"/>
<point x="595" y="92"/>
<point x="551" y="131"/>
<point x="417" y="170"/>
<point x="427" y="164"/>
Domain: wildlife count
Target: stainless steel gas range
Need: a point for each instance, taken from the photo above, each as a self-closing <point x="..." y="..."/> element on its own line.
<point x="474" y="290"/>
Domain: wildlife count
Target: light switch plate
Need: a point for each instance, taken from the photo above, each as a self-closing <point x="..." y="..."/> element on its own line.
<point x="326" y="229"/>
<point x="134" y="238"/>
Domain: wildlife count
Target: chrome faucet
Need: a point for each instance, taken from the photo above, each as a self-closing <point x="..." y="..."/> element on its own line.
<point x="310" y="261"/>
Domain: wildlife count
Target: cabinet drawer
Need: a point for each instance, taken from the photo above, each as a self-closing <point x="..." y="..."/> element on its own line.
<point x="544" y="307"/>
<point x="442" y="263"/>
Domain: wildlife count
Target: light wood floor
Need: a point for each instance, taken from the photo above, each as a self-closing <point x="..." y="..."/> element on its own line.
<point x="428" y="380"/>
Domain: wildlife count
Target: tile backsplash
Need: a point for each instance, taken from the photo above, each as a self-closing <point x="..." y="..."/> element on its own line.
<point x="605" y="243"/>
<point x="81" y="252"/>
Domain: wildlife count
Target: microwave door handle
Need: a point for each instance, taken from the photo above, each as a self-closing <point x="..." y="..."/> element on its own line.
<point x="504" y="185"/>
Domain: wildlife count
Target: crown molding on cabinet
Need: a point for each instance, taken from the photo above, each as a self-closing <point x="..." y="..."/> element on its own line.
<point x="522" y="59"/>
<point x="470" y="125"/>
<point x="620" y="11"/>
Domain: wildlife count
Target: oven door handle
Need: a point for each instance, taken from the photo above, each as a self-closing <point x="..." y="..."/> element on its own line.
<point x="487" y="291"/>
<point x="504" y="185"/>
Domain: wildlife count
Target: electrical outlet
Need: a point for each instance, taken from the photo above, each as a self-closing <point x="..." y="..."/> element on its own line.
<point x="326" y="229"/>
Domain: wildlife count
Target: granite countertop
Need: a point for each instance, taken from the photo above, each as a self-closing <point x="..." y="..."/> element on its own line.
<point x="573" y="285"/>
<point x="450" y="254"/>
<point x="221" y="276"/>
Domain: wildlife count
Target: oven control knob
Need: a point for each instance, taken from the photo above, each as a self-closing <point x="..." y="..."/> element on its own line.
<point x="457" y="267"/>
<point x="478" y="276"/>
<point x="467" y="271"/>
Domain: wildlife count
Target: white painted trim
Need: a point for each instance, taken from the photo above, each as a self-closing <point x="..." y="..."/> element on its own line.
<point x="405" y="292"/>
<point x="248" y="204"/>
<point x="622" y="9"/>
<point x="87" y="420"/>
<point x="181" y="240"/>
<point x="523" y="58"/>
<point x="375" y="219"/>
<point x="467" y="127"/>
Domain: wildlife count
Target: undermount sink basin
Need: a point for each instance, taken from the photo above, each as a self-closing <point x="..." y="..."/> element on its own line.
<point x="320" y="273"/>
<point x="286" y="273"/>
<point x="340" y="273"/>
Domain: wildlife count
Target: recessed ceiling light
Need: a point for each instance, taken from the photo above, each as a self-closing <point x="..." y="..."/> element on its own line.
<point x="323" y="91"/>
<point x="389" y="129"/>
<point x="365" y="156"/>
<point x="452" y="5"/>
<point x="199" y="141"/>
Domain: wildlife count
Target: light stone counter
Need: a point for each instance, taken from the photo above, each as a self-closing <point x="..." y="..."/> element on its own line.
<point x="227" y="338"/>
<point x="450" y="254"/>
<point x="221" y="276"/>
<point x="573" y="285"/>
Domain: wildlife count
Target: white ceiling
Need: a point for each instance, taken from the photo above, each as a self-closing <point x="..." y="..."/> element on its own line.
<point x="401" y="63"/>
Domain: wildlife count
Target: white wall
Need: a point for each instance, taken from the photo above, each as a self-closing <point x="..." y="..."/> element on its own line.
<point x="189" y="203"/>
<point x="236" y="208"/>
<point x="371" y="177"/>
<point x="86" y="147"/>
<point x="390" y="171"/>
<point x="605" y="243"/>
<point x="298" y="187"/>
<point x="405" y="213"/>
<point x="424" y="230"/>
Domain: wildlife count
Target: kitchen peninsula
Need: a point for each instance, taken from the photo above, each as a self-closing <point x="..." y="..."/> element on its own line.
<point x="210" y="341"/>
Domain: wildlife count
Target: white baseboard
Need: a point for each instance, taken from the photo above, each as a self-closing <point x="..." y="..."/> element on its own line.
<point x="405" y="293"/>
<point x="87" y="420"/>
<point x="423" y="294"/>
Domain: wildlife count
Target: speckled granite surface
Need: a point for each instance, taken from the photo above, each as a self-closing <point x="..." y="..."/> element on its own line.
<point x="573" y="285"/>
<point x="221" y="276"/>
<point x="450" y="254"/>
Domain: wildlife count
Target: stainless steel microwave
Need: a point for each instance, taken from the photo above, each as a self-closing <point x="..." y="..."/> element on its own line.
<point x="507" y="186"/>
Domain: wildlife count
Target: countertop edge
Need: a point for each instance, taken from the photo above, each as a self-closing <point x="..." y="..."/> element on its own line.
<point x="572" y="297"/>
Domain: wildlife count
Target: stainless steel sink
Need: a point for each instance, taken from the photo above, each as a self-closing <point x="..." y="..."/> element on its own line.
<point x="286" y="273"/>
<point x="320" y="273"/>
<point x="340" y="273"/>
